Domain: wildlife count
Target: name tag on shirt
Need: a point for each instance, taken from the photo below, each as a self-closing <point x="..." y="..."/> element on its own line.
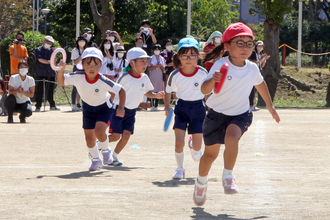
<point x="144" y="46"/>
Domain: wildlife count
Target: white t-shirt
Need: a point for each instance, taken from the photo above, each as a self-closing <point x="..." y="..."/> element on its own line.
<point x="135" y="88"/>
<point x="105" y="70"/>
<point x="75" y="55"/>
<point x="16" y="81"/>
<point x="119" y="64"/>
<point x="233" y="98"/>
<point x="187" y="87"/>
<point x="95" y="92"/>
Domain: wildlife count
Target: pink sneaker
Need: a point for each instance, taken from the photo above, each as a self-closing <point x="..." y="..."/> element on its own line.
<point x="229" y="184"/>
<point x="199" y="193"/>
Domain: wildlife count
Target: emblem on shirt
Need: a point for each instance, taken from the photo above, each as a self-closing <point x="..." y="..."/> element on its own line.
<point x="97" y="90"/>
<point x="229" y="77"/>
<point x="196" y="86"/>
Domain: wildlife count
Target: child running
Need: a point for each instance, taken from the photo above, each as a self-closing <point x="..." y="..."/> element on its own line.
<point x="137" y="85"/>
<point x="189" y="109"/>
<point x="94" y="89"/>
<point x="229" y="115"/>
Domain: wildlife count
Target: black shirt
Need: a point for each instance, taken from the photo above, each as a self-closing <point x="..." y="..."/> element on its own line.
<point x="147" y="43"/>
<point x="41" y="68"/>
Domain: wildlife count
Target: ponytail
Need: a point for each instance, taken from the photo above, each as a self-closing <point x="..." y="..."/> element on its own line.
<point x="215" y="54"/>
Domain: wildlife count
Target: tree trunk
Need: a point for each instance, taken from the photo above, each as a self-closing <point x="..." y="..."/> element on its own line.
<point x="105" y="20"/>
<point x="271" y="71"/>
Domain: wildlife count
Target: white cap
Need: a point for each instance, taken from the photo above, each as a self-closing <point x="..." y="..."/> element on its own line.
<point x="92" y="52"/>
<point x="259" y="42"/>
<point x="49" y="38"/>
<point x="136" y="53"/>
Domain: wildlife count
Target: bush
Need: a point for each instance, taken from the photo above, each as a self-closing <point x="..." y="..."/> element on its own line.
<point x="32" y="41"/>
<point x="306" y="61"/>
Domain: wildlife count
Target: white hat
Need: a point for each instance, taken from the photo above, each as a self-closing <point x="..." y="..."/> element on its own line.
<point x="136" y="53"/>
<point x="92" y="52"/>
<point x="49" y="38"/>
<point x="259" y="42"/>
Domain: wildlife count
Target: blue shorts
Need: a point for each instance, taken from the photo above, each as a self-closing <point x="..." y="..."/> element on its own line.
<point x="118" y="124"/>
<point x="93" y="114"/>
<point x="215" y="125"/>
<point x="189" y="114"/>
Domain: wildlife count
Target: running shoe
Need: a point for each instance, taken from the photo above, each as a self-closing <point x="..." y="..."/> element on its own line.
<point x="107" y="157"/>
<point x="116" y="162"/>
<point x="179" y="174"/>
<point x="96" y="164"/>
<point x="229" y="184"/>
<point x="199" y="193"/>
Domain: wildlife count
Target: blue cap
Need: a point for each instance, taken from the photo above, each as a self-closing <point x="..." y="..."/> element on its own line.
<point x="188" y="42"/>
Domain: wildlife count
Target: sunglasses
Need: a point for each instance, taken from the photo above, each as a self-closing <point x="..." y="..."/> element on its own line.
<point x="191" y="57"/>
<point x="241" y="43"/>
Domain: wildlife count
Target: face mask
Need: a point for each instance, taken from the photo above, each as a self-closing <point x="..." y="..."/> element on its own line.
<point x="107" y="46"/>
<point x="81" y="44"/>
<point x="139" y="45"/>
<point x="23" y="71"/>
<point x="120" y="55"/>
<point x="145" y="29"/>
<point x="169" y="48"/>
<point x="217" y="40"/>
<point x="47" y="46"/>
<point x="88" y="36"/>
<point x="156" y="52"/>
<point x="260" y="48"/>
<point x="111" y="38"/>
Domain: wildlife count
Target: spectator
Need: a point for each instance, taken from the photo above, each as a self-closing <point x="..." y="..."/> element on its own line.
<point x="45" y="72"/>
<point x="107" y="68"/>
<point x="156" y="67"/>
<point x="2" y="97"/>
<point x="120" y="61"/>
<point x="17" y="52"/>
<point x="21" y="89"/>
<point x="148" y="36"/>
<point x="213" y="41"/>
<point x="88" y="35"/>
<point x="168" y="54"/>
<point x="113" y="36"/>
<point x="259" y="57"/>
<point x="81" y="45"/>
<point x="138" y="42"/>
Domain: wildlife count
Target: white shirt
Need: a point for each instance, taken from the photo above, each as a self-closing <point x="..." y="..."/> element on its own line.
<point x="16" y="81"/>
<point x="95" y="92"/>
<point x="105" y="70"/>
<point x="119" y="64"/>
<point x="75" y="55"/>
<point x="135" y="88"/>
<point x="233" y="98"/>
<point x="187" y="87"/>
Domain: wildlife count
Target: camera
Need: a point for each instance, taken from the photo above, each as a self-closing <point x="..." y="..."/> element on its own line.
<point x="19" y="40"/>
<point x="110" y="66"/>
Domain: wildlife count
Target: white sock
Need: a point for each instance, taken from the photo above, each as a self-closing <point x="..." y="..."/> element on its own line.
<point x="202" y="179"/>
<point x="179" y="159"/>
<point x="94" y="152"/>
<point x="114" y="154"/>
<point x="226" y="172"/>
<point x="104" y="145"/>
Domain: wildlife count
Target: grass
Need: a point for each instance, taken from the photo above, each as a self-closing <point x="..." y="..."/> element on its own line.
<point x="284" y="97"/>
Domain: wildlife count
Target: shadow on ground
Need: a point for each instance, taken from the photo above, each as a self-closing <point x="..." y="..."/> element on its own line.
<point x="200" y="214"/>
<point x="175" y="183"/>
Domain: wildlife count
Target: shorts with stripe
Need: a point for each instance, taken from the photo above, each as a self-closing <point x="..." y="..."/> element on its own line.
<point x="119" y="124"/>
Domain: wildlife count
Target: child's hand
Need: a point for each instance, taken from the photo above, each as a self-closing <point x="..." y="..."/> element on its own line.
<point x="63" y="64"/>
<point x="160" y="95"/>
<point x="120" y="112"/>
<point x="167" y="112"/>
<point x="273" y="112"/>
<point x="216" y="76"/>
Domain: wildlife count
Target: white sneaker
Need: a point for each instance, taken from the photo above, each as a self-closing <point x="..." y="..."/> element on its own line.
<point x="116" y="161"/>
<point x="229" y="184"/>
<point x="75" y="108"/>
<point x="154" y="109"/>
<point x="196" y="155"/>
<point x="180" y="174"/>
<point x="199" y="193"/>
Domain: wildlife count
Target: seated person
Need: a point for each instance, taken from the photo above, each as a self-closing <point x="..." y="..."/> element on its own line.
<point x="21" y="88"/>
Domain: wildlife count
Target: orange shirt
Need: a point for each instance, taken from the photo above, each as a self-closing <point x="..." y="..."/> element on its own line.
<point x="22" y="52"/>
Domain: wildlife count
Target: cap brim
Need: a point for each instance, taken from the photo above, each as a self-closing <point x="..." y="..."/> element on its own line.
<point x="92" y="55"/>
<point x="244" y="34"/>
<point x="143" y="56"/>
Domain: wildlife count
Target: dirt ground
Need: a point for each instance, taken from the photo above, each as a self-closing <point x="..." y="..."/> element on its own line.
<point x="282" y="171"/>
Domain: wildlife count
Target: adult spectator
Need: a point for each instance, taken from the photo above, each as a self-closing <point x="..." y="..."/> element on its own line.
<point x="45" y="72"/>
<point x="148" y="36"/>
<point x="21" y="89"/>
<point x="213" y="41"/>
<point x="168" y="54"/>
<point x="259" y="57"/>
<point x="114" y="36"/>
<point x="108" y="67"/>
<point x="17" y="52"/>
<point x="88" y="35"/>
<point x="2" y="97"/>
<point x="138" y="42"/>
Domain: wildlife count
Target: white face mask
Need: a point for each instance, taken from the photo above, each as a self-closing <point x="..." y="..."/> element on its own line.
<point x="107" y="46"/>
<point x="169" y="48"/>
<point x="139" y="45"/>
<point x="217" y="40"/>
<point x="81" y="44"/>
<point x="145" y="29"/>
<point x="23" y="71"/>
<point x="260" y="48"/>
<point x="111" y="38"/>
<point x="88" y="37"/>
<point x="47" y="46"/>
<point x="157" y="52"/>
<point x="120" y="55"/>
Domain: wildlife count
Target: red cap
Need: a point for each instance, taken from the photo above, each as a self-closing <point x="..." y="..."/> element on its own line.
<point x="235" y="30"/>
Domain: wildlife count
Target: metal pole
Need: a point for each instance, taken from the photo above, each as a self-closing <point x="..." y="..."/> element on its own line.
<point x="46" y="24"/>
<point x="77" y="19"/>
<point x="44" y="86"/>
<point x="34" y="14"/>
<point x="299" y="33"/>
<point x="189" y="17"/>
<point x="284" y="54"/>
<point x="37" y="15"/>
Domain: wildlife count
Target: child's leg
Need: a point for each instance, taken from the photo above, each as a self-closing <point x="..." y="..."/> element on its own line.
<point x="197" y="140"/>
<point x="210" y="154"/>
<point x="179" y="144"/>
<point x="233" y="134"/>
<point x="100" y="129"/>
<point x="91" y="143"/>
<point x="123" y="141"/>
<point x="114" y="137"/>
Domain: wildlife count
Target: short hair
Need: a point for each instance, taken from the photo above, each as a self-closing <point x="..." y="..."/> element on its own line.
<point x="19" y="33"/>
<point x="145" y="21"/>
<point x="138" y="38"/>
<point x="168" y="40"/>
<point x="157" y="46"/>
<point x="21" y="63"/>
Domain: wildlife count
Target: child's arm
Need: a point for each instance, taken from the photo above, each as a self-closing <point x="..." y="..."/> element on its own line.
<point x="122" y="99"/>
<point x="208" y="85"/>
<point x="167" y="104"/>
<point x="60" y="73"/>
<point x="154" y="95"/>
<point x="263" y="91"/>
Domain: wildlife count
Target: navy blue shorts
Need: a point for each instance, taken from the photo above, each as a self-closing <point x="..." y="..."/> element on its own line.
<point x="118" y="124"/>
<point x="215" y="125"/>
<point x="93" y="114"/>
<point x="189" y="114"/>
